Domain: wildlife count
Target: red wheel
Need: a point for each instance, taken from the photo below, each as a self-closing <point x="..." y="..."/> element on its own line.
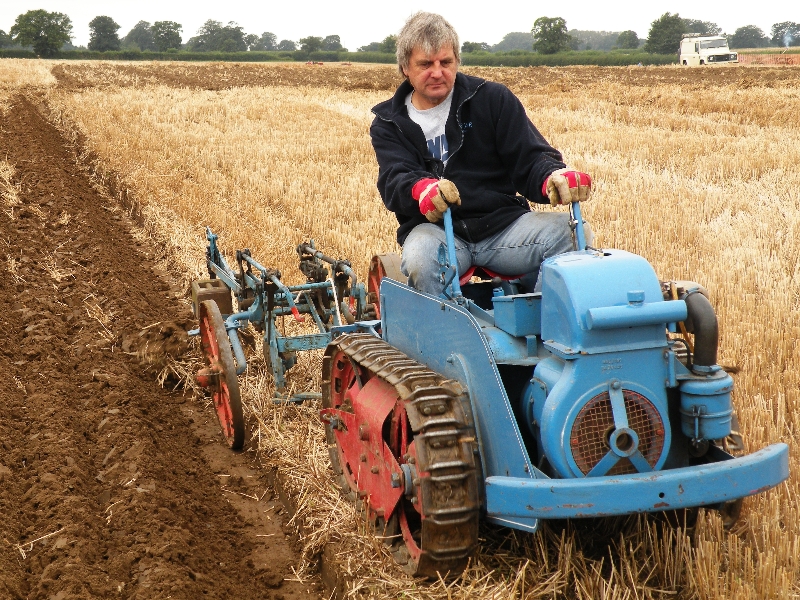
<point x="382" y="265"/>
<point x="219" y="377"/>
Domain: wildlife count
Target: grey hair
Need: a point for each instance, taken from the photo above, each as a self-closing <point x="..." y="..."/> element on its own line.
<point x="427" y="31"/>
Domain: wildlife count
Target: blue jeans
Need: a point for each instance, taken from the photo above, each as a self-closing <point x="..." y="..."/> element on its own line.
<point x="517" y="250"/>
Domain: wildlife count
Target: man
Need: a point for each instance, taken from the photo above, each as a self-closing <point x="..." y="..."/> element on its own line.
<point x="451" y="140"/>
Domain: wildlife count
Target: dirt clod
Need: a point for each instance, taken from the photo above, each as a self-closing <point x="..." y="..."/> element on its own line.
<point x="155" y="344"/>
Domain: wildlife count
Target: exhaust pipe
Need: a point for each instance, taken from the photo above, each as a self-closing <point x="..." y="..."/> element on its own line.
<point x="702" y="321"/>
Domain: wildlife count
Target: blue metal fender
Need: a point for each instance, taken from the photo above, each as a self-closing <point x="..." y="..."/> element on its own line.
<point x="686" y="487"/>
<point x="446" y="337"/>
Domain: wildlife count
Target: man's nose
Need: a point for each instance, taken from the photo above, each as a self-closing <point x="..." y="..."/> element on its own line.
<point x="436" y="70"/>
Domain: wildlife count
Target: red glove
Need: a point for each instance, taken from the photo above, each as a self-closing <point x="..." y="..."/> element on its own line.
<point x="565" y="186"/>
<point x="434" y="196"/>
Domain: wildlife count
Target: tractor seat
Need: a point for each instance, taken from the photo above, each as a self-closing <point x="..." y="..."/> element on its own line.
<point x="483" y="272"/>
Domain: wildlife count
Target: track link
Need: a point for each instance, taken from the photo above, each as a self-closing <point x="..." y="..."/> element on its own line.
<point x="445" y="484"/>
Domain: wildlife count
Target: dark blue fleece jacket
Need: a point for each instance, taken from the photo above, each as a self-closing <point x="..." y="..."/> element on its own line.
<point x="497" y="158"/>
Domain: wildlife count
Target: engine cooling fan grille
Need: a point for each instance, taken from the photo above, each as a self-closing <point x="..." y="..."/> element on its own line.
<point x="595" y="423"/>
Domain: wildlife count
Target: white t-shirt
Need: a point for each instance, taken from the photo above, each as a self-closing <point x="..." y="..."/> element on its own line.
<point x="432" y="121"/>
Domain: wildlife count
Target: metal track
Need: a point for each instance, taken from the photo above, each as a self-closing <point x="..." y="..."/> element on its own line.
<point x="445" y="486"/>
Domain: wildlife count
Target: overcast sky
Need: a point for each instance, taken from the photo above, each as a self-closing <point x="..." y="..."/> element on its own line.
<point x="359" y="22"/>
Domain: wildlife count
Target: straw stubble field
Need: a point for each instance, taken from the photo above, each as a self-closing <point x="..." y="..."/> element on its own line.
<point x="696" y="170"/>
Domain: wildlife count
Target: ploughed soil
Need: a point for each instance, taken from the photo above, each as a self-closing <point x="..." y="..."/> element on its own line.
<point x="225" y="75"/>
<point x="110" y="485"/>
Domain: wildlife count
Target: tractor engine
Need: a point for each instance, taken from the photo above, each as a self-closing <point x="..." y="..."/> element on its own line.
<point x="613" y="398"/>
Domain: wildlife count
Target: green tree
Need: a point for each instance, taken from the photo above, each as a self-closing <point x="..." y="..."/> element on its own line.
<point x="287" y="46"/>
<point x="665" y="34"/>
<point x="628" y="40"/>
<point x="206" y="38"/>
<point x="213" y="36"/>
<point x="232" y="38"/>
<point x="332" y="43"/>
<point x="166" y="35"/>
<point x="267" y="41"/>
<point x="786" y="34"/>
<point x="43" y="30"/>
<point x="140" y="37"/>
<point x="748" y="36"/>
<point x="701" y="27"/>
<point x="475" y="47"/>
<point x="310" y="44"/>
<point x="550" y="35"/>
<point x="5" y="39"/>
<point x="103" y="34"/>
<point x="389" y="44"/>
<point x="516" y="40"/>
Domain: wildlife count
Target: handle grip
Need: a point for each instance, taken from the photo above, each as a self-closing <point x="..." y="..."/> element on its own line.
<point x="451" y="251"/>
<point x="580" y="234"/>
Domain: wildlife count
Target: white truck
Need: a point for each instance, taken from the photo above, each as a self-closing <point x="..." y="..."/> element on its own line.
<point x="699" y="49"/>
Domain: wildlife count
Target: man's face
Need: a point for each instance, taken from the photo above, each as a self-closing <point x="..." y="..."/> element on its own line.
<point x="431" y="75"/>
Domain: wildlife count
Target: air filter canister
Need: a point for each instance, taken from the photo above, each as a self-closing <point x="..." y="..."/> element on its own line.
<point x="706" y="407"/>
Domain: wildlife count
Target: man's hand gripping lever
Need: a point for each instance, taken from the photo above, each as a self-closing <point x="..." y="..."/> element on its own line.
<point x="435" y="196"/>
<point x="566" y="186"/>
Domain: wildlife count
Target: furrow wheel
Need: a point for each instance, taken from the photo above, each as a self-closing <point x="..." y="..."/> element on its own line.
<point x="219" y="375"/>
<point x="428" y="449"/>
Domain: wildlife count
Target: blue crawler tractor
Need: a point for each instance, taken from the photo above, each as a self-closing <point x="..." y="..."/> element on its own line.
<point x="599" y="395"/>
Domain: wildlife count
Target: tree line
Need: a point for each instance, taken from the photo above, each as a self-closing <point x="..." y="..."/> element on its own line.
<point x="551" y="36"/>
<point x="48" y="33"/>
